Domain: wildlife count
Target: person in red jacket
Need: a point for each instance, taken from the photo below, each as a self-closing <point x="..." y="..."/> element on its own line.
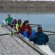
<point x="26" y="29"/>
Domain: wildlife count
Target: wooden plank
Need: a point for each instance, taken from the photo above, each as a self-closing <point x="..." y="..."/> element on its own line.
<point x="9" y="46"/>
<point x="33" y="47"/>
<point x="3" y="30"/>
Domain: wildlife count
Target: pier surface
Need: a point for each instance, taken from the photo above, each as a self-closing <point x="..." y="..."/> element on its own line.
<point x="9" y="46"/>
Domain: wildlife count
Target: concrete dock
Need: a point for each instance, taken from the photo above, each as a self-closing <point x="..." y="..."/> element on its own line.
<point x="9" y="46"/>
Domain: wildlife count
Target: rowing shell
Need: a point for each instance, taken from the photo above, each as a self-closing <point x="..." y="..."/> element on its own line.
<point x="46" y="49"/>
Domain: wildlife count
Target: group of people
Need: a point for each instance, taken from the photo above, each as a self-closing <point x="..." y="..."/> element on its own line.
<point x="25" y="29"/>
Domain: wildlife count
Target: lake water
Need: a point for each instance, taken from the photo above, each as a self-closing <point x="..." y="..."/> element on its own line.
<point x="47" y="20"/>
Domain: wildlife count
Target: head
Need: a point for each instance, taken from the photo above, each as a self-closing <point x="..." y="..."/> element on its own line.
<point x="8" y="15"/>
<point x="39" y="29"/>
<point x="15" y="20"/>
<point x="26" y="23"/>
<point x="19" y="21"/>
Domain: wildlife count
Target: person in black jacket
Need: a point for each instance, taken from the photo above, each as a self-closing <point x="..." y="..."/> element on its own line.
<point x="39" y="38"/>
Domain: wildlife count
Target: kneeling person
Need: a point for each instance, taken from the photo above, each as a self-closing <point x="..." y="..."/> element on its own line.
<point x="40" y="37"/>
<point x="9" y="20"/>
<point x="26" y="29"/>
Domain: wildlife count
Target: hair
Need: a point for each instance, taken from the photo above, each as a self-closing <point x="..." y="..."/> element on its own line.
<point x="39" y="28"/>
<point x="8" y="15"/>
<point x="26" y="21"/>
<point x="19" y="20"/>
<point x="14" y="19"/>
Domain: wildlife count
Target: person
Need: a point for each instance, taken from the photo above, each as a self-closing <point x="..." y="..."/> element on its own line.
<point x="18" y="24"/>
<point x="14" y="23"/>
<point x="26" y="29"/>
<point x="40" y="38"/>
<point x="9" y="20"/>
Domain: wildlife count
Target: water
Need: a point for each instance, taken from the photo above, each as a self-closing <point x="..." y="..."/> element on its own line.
<point x="46" y="20"/>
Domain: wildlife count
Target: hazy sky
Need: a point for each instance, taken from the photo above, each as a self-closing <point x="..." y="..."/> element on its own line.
<point x="35" y="0"/>
<point x="42" y="0"/>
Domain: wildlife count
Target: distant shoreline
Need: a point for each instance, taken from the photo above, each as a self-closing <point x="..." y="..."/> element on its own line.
<point x="27" y="7"/>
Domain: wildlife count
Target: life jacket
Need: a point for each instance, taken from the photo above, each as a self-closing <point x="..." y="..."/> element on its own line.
<point x="14" y="21"/>
<point x="18" y="26"/>
<point x="9" y="20"/>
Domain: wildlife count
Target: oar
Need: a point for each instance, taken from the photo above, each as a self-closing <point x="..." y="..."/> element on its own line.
<point x="50" y="34"/>
<point x="7" y="25"/>
<point x="36" y="24"/>
<point x="30" y="24"/>
<point x="49" y="31"/>
<point x="33" y="26"/>
<point x="11" y="33"/>
<point x="15" y="33"/>
<point x="5" y="34"/>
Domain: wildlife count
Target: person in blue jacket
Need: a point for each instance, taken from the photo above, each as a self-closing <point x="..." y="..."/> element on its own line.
<point x="39" y="38"/>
